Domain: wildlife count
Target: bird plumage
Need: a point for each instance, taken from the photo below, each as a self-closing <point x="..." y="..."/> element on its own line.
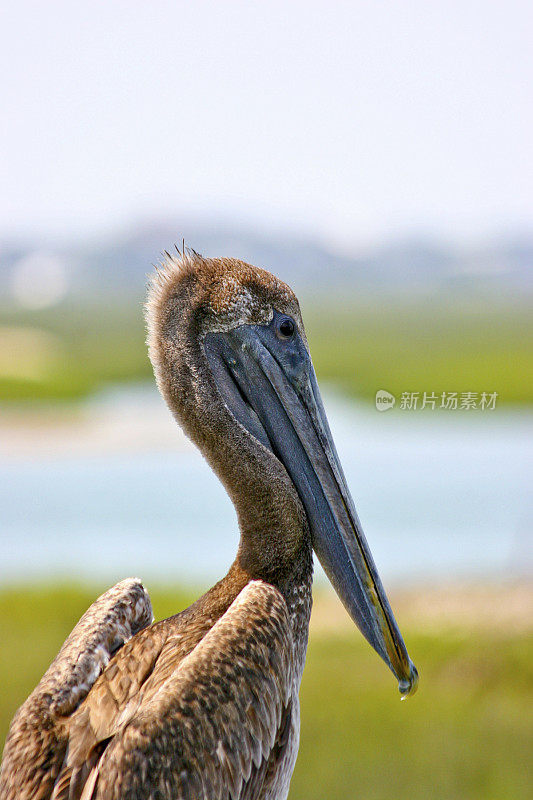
<point x="204" y="705"/>
<point x="38" y="737"/>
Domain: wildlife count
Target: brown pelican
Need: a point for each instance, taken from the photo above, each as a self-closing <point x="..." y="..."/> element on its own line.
<point x="204" y="705"/>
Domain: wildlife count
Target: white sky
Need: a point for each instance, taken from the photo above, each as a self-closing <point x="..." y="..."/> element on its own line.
<point x="353" y="120"/>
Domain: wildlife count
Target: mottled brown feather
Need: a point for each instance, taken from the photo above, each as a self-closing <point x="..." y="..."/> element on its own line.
<point x="37" y="738"/>
<point x="209" y="724"/>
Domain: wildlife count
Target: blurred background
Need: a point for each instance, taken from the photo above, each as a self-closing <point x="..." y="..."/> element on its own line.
<point x="377" y="157"/>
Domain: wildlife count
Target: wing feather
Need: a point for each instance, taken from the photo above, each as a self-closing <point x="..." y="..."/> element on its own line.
<point x="37" y="739"/>
<point x="214" y="721"/>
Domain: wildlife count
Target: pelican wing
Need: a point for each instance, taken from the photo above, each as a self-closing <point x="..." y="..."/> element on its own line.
<point x="37" y="739"/>
<point x="209" y="725"/>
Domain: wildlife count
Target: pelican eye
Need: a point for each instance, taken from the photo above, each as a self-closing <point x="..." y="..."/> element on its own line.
<point x="286" y="328"/>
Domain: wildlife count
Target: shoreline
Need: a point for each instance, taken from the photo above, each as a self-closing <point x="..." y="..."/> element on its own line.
<point x="465" y="607"/>
<point x="468" y="607"/>
<point x="133" y="419"/>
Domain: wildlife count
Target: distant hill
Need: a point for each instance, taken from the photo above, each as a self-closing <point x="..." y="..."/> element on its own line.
<point x="118" y="265"/>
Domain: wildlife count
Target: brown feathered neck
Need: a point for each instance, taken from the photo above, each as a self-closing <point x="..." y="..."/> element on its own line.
<point x="190" y="296"/>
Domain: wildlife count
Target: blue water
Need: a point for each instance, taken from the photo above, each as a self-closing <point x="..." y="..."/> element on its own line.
<point x="441" y="496"/>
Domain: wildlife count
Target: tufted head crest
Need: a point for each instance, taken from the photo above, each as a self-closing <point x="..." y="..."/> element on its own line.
<point x="225" y="292"/>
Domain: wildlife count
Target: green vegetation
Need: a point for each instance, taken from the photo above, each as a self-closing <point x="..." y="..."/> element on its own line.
<point x="433" y="347"/>
<point x="359" y="346"/>
<point x="466" y="735"/>
<point x="94" y="346"/>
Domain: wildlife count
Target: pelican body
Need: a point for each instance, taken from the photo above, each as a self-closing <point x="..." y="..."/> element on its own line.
<point x="204" y="705"/>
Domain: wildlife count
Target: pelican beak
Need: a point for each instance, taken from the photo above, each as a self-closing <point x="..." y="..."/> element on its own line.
<point x="270" y="386"/>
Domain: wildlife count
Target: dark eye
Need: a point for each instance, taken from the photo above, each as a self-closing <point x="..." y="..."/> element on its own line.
<point x="286" y="328"/>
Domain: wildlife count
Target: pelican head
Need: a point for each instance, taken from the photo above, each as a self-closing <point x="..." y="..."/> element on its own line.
<point x="231" y="359"/>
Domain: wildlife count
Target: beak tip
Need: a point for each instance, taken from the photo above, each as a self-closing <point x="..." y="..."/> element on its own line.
<point x="408" y="686"/>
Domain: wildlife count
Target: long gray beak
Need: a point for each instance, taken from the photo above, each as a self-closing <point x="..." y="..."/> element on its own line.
<point x="271" y="388"/>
